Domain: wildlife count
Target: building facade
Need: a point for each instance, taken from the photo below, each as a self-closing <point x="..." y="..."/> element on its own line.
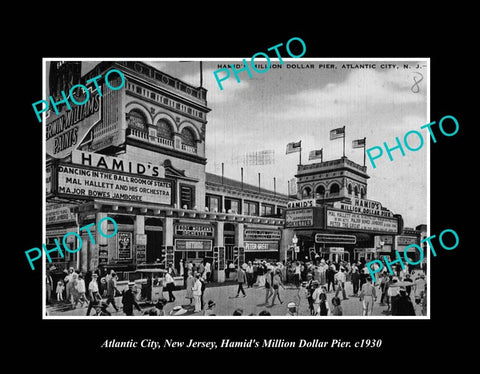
<point x="336" y="220"/>
<point x="143" y="164"/>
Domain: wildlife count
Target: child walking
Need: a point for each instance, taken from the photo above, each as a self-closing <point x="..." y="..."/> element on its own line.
<point x="59" y="290"/>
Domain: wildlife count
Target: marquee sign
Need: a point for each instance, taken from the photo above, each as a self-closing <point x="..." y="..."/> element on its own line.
<point x="363" y="206"/>
<point x="299" y="218"/>
<point x="57" y="213"/>
<point x="261" y="246"/>
<point x="338" y="219"/>
<point x="194" y="230"/>
<point x="193" y="245"/>
<point x="117" y="164"/>
<point x="306" y="203"/>
<point x="89" y="182"/>
<point x="406" y="240"/>
<point x="253" y="234"/>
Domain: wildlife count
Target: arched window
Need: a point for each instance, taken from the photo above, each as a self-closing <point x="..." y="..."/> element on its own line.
<point x="188" y="138"/>
<point x="137" y="120"/>
<point x="334" y="189"/>
<point x="320" y="191"/>
<point x="306" y="192"/>
<point x="164" y="130"/>
<point x="362" y="193"/>
<point x="349" y="189"/>
<point x="355" y="190"/>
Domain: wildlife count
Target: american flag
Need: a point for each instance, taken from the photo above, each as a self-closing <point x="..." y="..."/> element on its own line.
<point x="294" y="147"/>
<point x="359" y="143"/>
<point x="337" y="133"/>
<point x="313" y="155"/>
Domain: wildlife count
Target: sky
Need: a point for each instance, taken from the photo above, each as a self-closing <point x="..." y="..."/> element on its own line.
<point x="290" y="104"/>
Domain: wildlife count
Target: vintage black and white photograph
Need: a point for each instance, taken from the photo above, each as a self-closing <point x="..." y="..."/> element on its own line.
<point x="237" y="188"/>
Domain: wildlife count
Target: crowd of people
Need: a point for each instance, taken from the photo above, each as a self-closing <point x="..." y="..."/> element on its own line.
<point x="321" y="277"/>
<point x="97" y="290"/>
<point x="321" y="284"/>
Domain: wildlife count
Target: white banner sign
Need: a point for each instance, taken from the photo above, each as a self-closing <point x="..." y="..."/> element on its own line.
<point x="299" y="218"/>
<point x="306" y="203"/>
<point x="117" y="164"/>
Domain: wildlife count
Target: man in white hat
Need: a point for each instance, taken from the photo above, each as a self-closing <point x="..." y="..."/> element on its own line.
<point x="291" y="310"/>
<point x="93" y="293"/>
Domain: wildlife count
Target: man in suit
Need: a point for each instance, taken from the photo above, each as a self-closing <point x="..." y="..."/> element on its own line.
<point x="49" y="284"/>
<point x="128" y="300"/>
<point x="111" y="288"/>
<point x="241" y="279"/>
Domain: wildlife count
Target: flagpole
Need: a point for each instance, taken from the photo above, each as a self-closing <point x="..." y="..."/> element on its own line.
<point x="300" y="156"/>
<point x="343" y="141"/>
<point x="241" y="175"/>
<point x="364" y="146"/>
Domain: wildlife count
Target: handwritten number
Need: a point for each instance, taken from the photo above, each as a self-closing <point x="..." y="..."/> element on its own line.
<point x="416" y="88"/>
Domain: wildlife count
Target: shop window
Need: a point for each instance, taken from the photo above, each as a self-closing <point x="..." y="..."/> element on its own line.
<point x="234" y="205"/>
<point x="251" y="208"/>
<point x="267" y="210"/>
<point x="187" y="197"/>
<point x="213" y="203"/>
<point x="164" y="130"/>
<point x="334" y="189"/>
<point x="137" y="120"/>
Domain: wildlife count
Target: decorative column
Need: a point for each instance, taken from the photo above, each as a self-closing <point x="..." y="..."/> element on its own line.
<point x="140" y="240"/>
<point x="99" y="252"/>
<point x="285" y="242"/>
<point x="219" y="275"/>
<point x="167" y="247"/>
